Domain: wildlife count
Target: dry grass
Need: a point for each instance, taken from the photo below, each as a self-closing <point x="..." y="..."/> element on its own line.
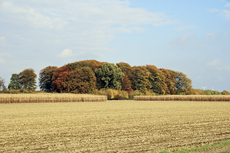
<point x="114" y="126"/>
<point x="44" y="98"/>
<point x="184" y="98"/>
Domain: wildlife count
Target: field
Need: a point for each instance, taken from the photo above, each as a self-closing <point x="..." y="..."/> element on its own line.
<point x="112" y="126"/>
<point x="183" y="98"/>
<point x="49" y="97"/>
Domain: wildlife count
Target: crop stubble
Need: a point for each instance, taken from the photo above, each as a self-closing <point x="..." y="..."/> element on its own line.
<point x="49" y="97"/>
<point x="183" y="98"/>
<point x="114" y="126"/>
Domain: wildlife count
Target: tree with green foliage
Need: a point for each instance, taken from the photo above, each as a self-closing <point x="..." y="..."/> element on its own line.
<point x="45" y="78"/>
<point x="183" y="84"/>
<point x="157" y="80"/>
<point x="81" y="80"/>
<point x="141" y="79"/>
<point x="109" y="76"/>
<point x="2" y="84"/>
<point x="14" y="82"/>
<point x="27" y="79"/>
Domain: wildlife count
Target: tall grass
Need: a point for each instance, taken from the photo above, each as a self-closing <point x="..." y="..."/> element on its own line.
<point x="183" y="98"/>
<point x="45" y="98"/>
<point x="113" y="94"/>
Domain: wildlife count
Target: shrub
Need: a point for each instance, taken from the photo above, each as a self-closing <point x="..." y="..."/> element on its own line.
<point x="225" y="92"/>
<point x="135" y="93"/>
<point x="113" y="94"/>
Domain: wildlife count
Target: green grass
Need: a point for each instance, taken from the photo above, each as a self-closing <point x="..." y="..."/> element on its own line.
<point x="203" y="148"/>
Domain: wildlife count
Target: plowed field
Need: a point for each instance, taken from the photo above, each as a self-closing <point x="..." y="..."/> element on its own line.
<point x="113" y="126"/>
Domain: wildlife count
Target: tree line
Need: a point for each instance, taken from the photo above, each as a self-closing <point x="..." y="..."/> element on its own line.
<point x="89" y="75"/>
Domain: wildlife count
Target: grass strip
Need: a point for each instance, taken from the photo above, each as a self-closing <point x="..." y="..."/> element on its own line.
<point x="201" y="149"/>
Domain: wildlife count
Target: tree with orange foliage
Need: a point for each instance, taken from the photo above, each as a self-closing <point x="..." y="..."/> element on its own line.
<point x="126" y="84"/>
<point x="170" y="80"/>
<point x="59" y="78"/>
<point x="88" y="63"/>
<point x="81" y="80"/>
<point x="127" y="70"/>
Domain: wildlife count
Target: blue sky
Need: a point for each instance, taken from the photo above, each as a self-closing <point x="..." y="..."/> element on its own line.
<point x="188" y="36"/>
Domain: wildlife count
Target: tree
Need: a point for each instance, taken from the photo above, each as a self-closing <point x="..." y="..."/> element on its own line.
<point x="27" y="80"/>
<point x="45" y="78"/>
<point x="86" y="63"/>
<point x="14" y="82"/>
<point x="157" y="80"/>
<point x="183" y="84"/>
<point x="59" y="78"/>
<point x="170" y="80"/>
<point x="127" y="70"/>
<point x="81" y="80"/>
<point x="109" y="76"/>
<point x="2" y="84"/>
<point x="141" y="78"/>
<point x="126" y="84"/>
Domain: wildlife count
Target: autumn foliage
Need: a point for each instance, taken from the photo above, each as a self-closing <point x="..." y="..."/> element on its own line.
<point x="59" y="78"/>
<point x="90" y="75"/>
<point x="81" y="80"/>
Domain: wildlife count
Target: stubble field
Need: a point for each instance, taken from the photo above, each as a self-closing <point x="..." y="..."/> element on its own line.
<point x="112" y="126"/>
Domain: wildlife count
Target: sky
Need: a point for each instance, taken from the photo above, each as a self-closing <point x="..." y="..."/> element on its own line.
<point x="192" y="37"/>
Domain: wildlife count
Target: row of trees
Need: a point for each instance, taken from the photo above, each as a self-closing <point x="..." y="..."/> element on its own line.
<point x="86" y="76"/>
<point x="24" y="80"/>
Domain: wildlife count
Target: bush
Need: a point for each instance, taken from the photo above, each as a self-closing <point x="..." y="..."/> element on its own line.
<point x="206" y="92"/>
<point x="113" y="94"/>
<point x="225" y="92"/>
<point x="134" y="93"/>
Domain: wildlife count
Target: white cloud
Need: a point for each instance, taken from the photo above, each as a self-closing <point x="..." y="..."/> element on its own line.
<point x="183" y="39"/>
<point x="226" y="14"/>
<point x="182" y="28"/>
<point x="80" y="25"/>
<point x="227" y="5"/>
<point x="101" y="12"/>
<point x="220" y="78"/>
<point x="218" y="65"/>
<point x="224" y="68"/>
<point x="2" y="60"/>
<point x="214" y="63"/>
<point x="223" y="13"/>
<point x="28" y="15"/>
<point x="210" y="34"/>
<point x="2" y="41"/>
<point x="214" y="10"/>
<point x="127" y="30"/>
<point x="65" y="53"/>
<point x="3" y="56"/>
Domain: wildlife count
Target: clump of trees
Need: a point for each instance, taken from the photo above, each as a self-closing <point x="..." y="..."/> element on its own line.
<point x="90" y="75"/>
<point x="117" y="81"/>
<point x="2" y="84"/>
<point x="24" y="81"/>
<point x="109" y="76"/>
